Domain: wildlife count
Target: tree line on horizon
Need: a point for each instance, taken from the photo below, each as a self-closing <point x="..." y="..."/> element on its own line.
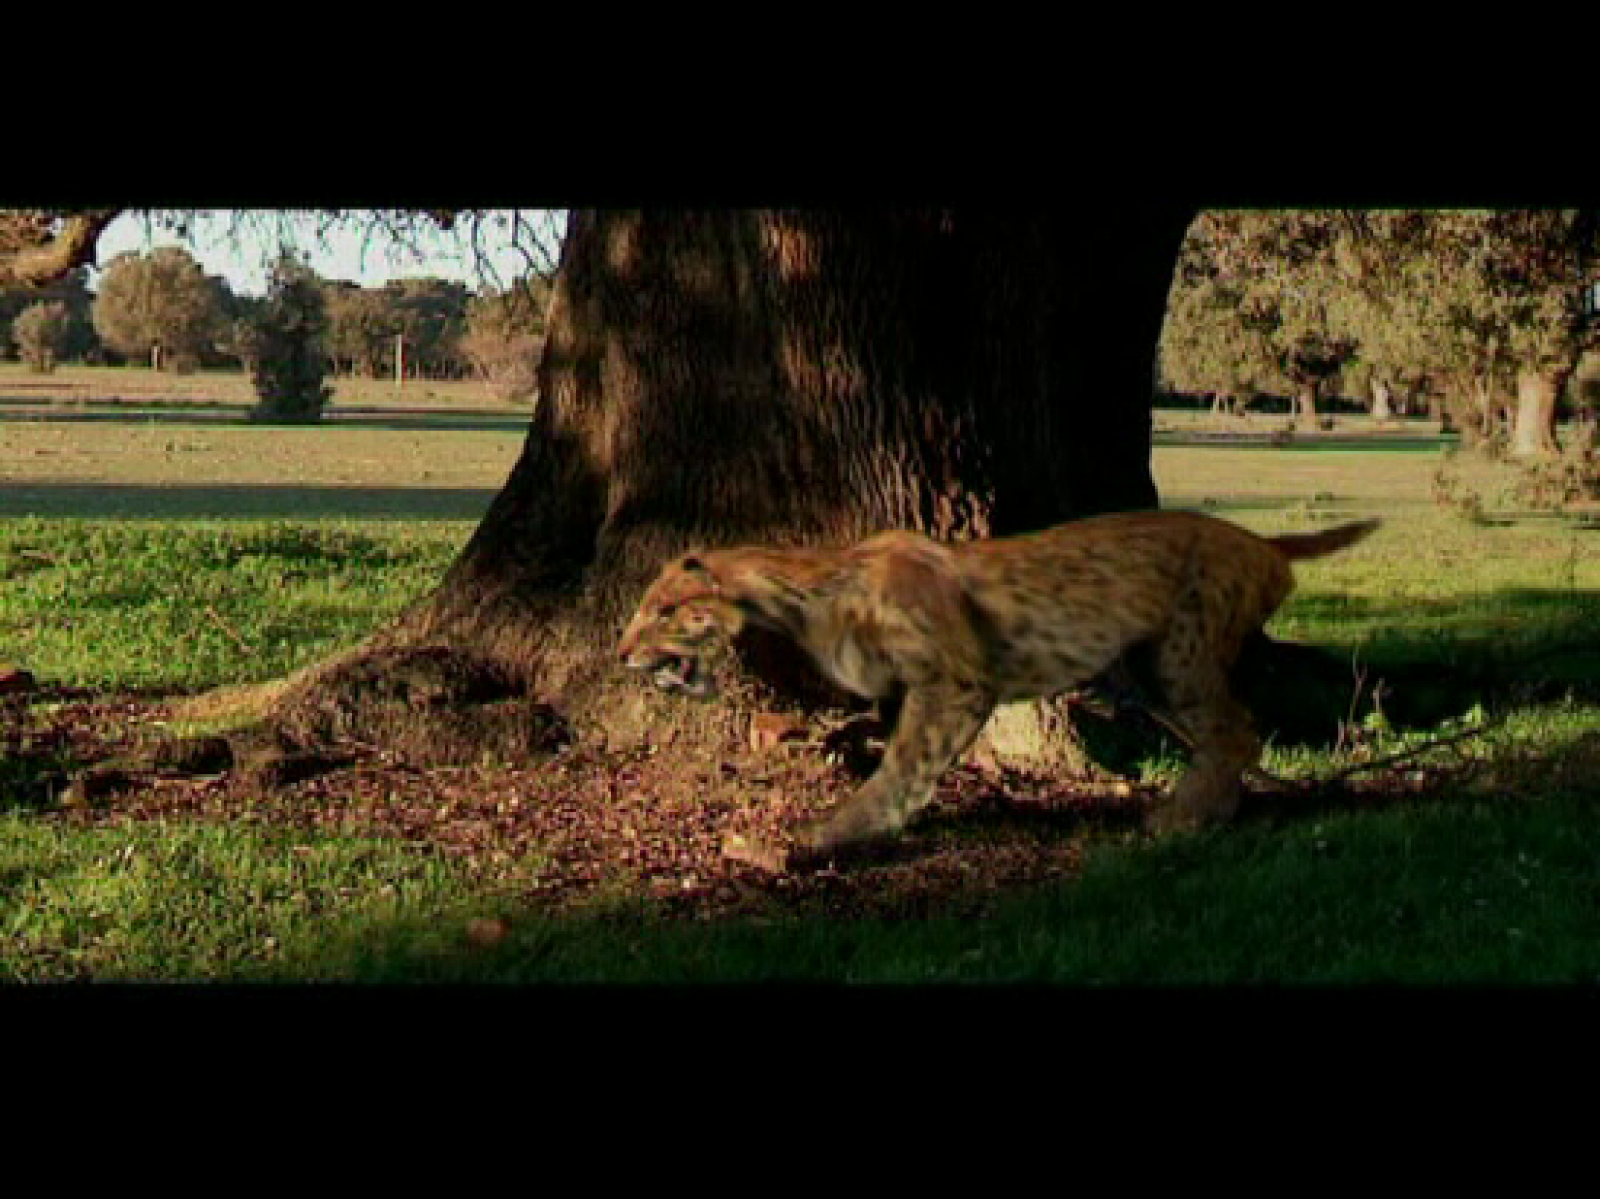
<point x="161" y="310"/>
<point x="1485" y="318"/>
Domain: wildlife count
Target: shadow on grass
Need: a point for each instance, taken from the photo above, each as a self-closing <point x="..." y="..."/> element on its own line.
<point x="34" y="768"/>
<point x="31" y="779"/>
<point x="1266" y="438"/>
<point x="169" y="502"/>
<point x="1450" y="883"/>
<point x="15" y="410"/>
<point x="1427" y="661"/>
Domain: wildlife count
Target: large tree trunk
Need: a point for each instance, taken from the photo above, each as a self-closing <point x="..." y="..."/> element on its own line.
<point x="1534" y="430"/>
<point x="1441" y="410"/>
<point x="727" y="377"/>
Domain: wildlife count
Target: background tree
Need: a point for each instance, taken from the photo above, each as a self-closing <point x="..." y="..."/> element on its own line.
<point x="504" y="336"/>
<point x="228" y="310"/>
<point x="1392" y="361"/>
<point x="1529" y="270"/>
<point x="1206" y="348"/>
<point x="1460" y="340"/>
<point x="364" y="323"/>
<point x="235" y="336"/>
<point x="1489" y="303"/>
<point x="431" y="315"/>
<point x="78" y="340"/>
<point x="41" y="334"/>
<point x="1246" y="324"/>
<point x="240" y="339"/>
<point x="361" y="328"/>
<point x="160" y="304"/>
<point x="290" y="359"/>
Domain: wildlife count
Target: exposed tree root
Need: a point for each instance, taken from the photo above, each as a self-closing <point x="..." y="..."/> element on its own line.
<point x="433" y="705"/>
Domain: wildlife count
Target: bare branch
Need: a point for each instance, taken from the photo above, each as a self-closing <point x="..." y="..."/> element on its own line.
<point x="1394" y="759"/>
<point x="538" y="240"/>
<point x="38" y="252"/>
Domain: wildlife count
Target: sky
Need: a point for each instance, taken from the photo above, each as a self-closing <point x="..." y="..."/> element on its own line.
<point x="244" y="261"/>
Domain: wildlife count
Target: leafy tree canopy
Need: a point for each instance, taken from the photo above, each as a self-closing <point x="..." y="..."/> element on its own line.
<point x="158" y="301"/>
<point x="1468" y="298"/>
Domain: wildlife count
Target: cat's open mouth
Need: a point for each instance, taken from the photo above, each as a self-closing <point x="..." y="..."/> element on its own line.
<point x="680" y="673"/>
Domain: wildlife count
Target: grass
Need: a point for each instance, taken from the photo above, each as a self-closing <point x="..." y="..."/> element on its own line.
<point x="1492" y="890"/>
<point x="137" y="387"/>
<point x="1428" y="585"/>
<point x="192" y="604"/>
<point x="186" y="901"/>
<point x="1493" y="882"/>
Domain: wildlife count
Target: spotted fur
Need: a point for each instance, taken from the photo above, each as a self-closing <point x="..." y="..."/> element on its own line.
<point x="957" y="629"/>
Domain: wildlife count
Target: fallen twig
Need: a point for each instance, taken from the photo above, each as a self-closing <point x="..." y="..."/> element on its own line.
<point x="224" y="626"/>
<point x="1338" y="776"/>
<point x="1403" y="755"/>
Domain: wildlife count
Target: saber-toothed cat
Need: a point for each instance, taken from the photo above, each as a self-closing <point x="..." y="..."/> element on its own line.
<point x="959" y="628"/>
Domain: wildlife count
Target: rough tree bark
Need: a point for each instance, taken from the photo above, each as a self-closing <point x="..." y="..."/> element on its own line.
<point x="726" y="377"/>
<point x="1534" y="428"/>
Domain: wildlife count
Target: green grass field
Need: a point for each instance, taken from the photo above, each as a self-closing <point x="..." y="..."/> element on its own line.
<point x="1488" y="880"/>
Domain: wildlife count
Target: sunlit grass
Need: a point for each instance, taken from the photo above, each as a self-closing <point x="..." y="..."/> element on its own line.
<point x="135" y="384"/>
<point x="195" y="901"/>
<point x="189" y="604"/>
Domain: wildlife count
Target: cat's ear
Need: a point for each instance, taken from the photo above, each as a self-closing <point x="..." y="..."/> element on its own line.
<point x="696" y="569"/>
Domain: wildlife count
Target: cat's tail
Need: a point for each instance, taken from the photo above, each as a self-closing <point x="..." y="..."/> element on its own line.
<point x="1294" y="546"/>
